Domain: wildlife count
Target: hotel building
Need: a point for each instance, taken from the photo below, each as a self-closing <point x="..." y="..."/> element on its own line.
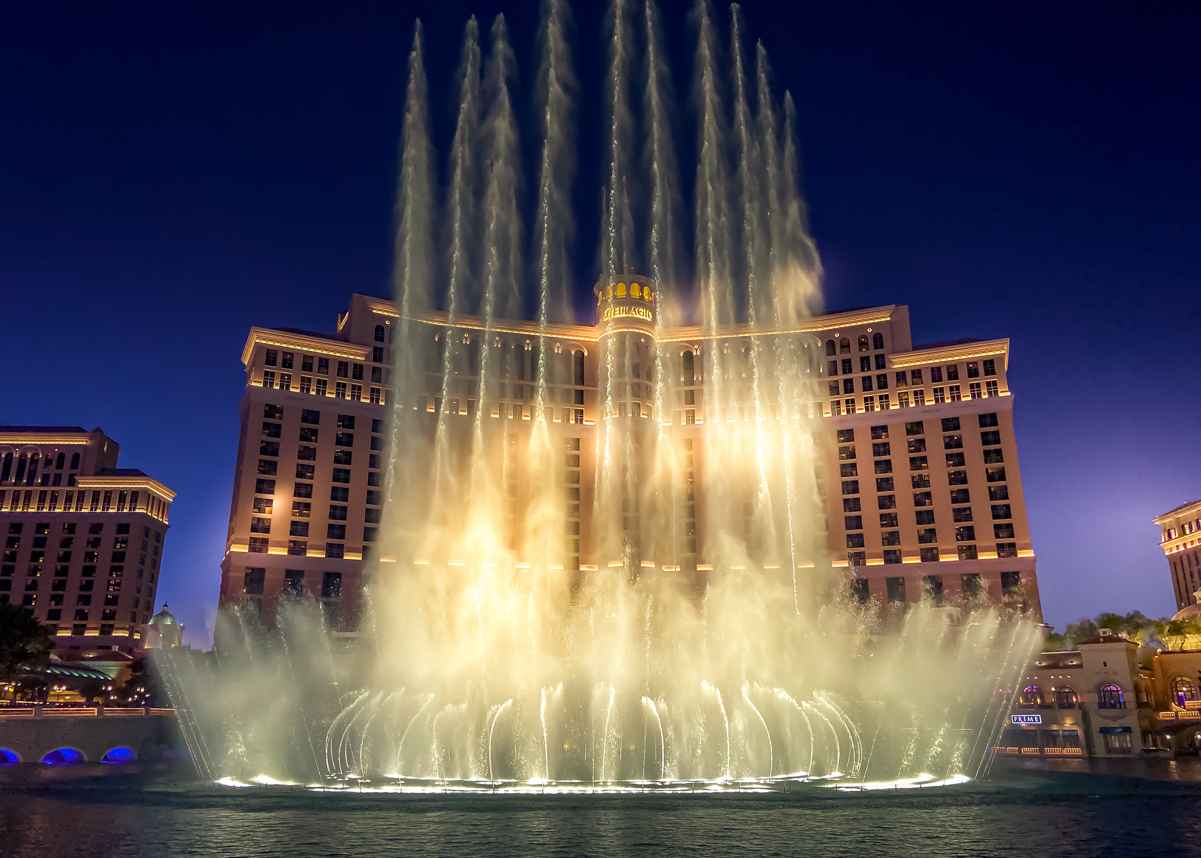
<point x="920" y="480"/>
<point x="1180" y="539"/>
<point x="83" y="538"/>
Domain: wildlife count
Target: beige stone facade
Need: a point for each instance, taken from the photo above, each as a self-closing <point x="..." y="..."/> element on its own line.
<point x="921" y="482"/>
<point x="1180" y="540"/>
<point x="1108" y="698"/>
<point x="83" y="538"/>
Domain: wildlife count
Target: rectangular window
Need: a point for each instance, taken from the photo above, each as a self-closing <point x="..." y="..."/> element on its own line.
<point x="988" y="420"/>
<point x="927" y="536"/>
<point x="340" y="390"/>
<point x="967" y="533"/>
<point x="306" y="363"/>
<point x="990" y="388"/>
<point x="955" y="460"/>
<point x="303" y="490"/>
<point x="919" y="463"/>
<point x="998" y="493"/>
<point x="252" y="581"/>
<point x="901" y="379"/>
<point x="895" y="588"/>
<point x="888" y="519"/>
<point x="974" y="390"/>
<point x="882" y="466"/>
<point x="1001" y="510"/>
<point x="881" y="449"/>
<point x="264" y="487"/>
<point x="1003" y="531"/>
<point x="299" y="528"/>
<point x="848" y="469"/>
<point x="335" y="531"/>
<point x="994" y="456"/>
<point x="311" y="417"/>
<point x="331" y="585"/>
<point x="891" y="537"/>
<point x="879" y="432"/>
<point x="268" y="378"/>
<point x="853" y="522"/>
<point x="885" y="484"/>
<point x="343" y="369"/>
<point x="851" y="505"/>
<point x="892" y="557"/>
<point x="928" y="555"/>
<point x="294" y="581"/>
<point x="922" y="499"/>
<point x="1007" y="549"/>
<point x="850" y="487"/>
<point x="1011" y="583"/>
<point x="955" y="393"/>
<point x="322" y="386"/>
<point x="846" y="436"/>
<point x="260" y="525"/>
<point x="258" y="545"/>
<point x="272" y="430"/>
<point x="919" y="481"/>
<point x="990" y="438"/>
<point x="854" y="540"/>
<point x="961" y="513"/>
<point x="917" y="445"/>
<point x="271" y="357"/>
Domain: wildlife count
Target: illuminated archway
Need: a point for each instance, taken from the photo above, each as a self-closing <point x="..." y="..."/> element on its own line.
<point x="64" y="756"/>
<point x="119" y="756"/>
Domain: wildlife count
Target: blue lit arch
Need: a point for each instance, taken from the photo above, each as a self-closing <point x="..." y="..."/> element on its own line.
<point x="64" y="756"/>
<point x="9" y="757"/>
<point x="119" y="756"/>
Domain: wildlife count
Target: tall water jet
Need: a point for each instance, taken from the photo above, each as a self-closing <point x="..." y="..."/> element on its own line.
<point x="413" y="281"/>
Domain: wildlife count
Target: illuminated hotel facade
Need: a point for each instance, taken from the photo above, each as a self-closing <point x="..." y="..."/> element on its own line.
<point x="1180" y="540"/>
<point x="919" y="480"/>
<point x="83" y="538"/>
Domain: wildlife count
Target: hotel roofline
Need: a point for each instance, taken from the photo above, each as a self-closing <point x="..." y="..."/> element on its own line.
<point x="1177" y="512"/>
<point x="333" y="346"/>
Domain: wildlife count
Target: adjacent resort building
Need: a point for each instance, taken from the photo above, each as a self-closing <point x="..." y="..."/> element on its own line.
<point x="83" y="537"/>
<point x="919" y="481"/>
<point x="1180" y="539"/>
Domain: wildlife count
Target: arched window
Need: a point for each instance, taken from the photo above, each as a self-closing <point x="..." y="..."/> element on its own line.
<point x="863" y="342"/>
<point x="74" y="461"/>
<point x="844" y="346"/>
<point x="22" y="464"/>
<point x="877" y="340"/>
<point x="1031" y="695"/>
<point x="688" y="365"/>
<point x="1111" y="696"/>
<point x="119" y="756"/>
<point x="379" y="333"/>
<point x="59" y="461"/>
<point x="1183" y="690"/>
<point x="6" y="467"/>
<point x="1066" y="697"/>
<point x="577" y="368"/>
<point x="64" y="757"/>
<point x="32" y="473"/>
<point x="831" y="347"/>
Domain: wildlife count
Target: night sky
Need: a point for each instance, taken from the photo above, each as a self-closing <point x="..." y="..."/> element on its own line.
<point x="171" y="174"/>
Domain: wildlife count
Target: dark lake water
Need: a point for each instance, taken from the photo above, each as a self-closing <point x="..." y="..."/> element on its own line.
<point x="1063" y="816"/>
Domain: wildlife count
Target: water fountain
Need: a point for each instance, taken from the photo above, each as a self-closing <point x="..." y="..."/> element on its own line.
<point x="701" y="638"/>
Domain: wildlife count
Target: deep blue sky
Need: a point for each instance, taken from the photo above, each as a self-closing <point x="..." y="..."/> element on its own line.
<point x="171" y="174"/>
